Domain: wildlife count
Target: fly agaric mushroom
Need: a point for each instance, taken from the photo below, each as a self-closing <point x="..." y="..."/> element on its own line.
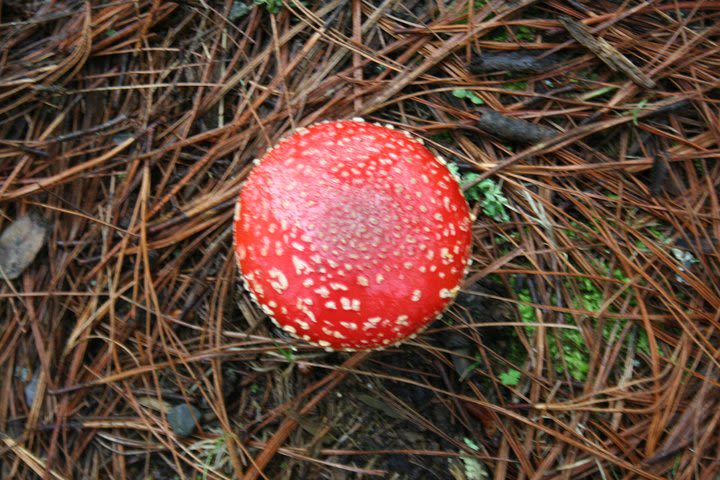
<point x="352" y="235"/>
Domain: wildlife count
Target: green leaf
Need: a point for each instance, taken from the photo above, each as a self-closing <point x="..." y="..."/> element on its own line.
<point x="475" y="99"/>
<point x="471" y="444"/>
<point x="459" y="93"/>
<point x="510" y="378"/>
<point x="470" y="95"/>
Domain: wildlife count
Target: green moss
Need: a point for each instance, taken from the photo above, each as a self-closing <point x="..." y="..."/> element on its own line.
<point x="526" y="34"/>
<point x="642" y="342"/>
<point x="575" y="351"/>
<point x="489" y="194"/>
<point x="517" y="86"/>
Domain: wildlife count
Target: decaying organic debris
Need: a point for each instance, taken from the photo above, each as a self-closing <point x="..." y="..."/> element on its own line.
<point x="514" y="129"/>
<point x="515" y="62"/>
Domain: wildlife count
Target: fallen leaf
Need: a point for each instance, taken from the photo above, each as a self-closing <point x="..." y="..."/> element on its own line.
<point x="20" y="244"/>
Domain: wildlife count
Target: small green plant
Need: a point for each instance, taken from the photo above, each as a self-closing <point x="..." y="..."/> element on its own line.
<point x="590" y="298"/>
<point x="510" y="378"/>
<point x="467" y="94"/>
<point x="288" y="354"/>
<point x="642" y="342"/>
<point x="571" y="342"/>
<point x="636" y="111"/>
<point x="699" y="167"/>
<point x="522" y="33"/>
<point x="471" y="368"/>
<point x="212" y="452"/>
<point x="474" y="470"/>
<point x="518" y="85"/>
<point x="489" y="194"/>
<point x="575" y="353"/>
<point x="272" y="6"/>
<point x="526" y="34"/>
<point x="216" y="454"/>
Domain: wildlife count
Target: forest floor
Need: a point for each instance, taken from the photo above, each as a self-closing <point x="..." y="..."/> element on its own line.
<point x="584" y="343"/>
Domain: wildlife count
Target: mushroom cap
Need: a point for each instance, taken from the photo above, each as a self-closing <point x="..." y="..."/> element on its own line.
<point x="352" y="235"/>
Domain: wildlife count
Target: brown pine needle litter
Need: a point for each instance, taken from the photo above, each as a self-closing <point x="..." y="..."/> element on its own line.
<point x="586" y="341"/>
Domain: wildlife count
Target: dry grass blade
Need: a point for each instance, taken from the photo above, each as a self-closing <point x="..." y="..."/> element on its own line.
<point x="34" y="463"/>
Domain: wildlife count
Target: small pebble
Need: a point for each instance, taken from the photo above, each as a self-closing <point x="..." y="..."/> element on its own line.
<point x="31" y="388"/>
<point x="182" y="419"/>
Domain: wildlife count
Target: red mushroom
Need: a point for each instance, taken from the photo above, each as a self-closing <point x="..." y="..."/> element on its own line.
<point x="352" y="235"/>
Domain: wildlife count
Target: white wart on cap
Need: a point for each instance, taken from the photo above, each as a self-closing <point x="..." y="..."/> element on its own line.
<point x="352" y="235"/>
